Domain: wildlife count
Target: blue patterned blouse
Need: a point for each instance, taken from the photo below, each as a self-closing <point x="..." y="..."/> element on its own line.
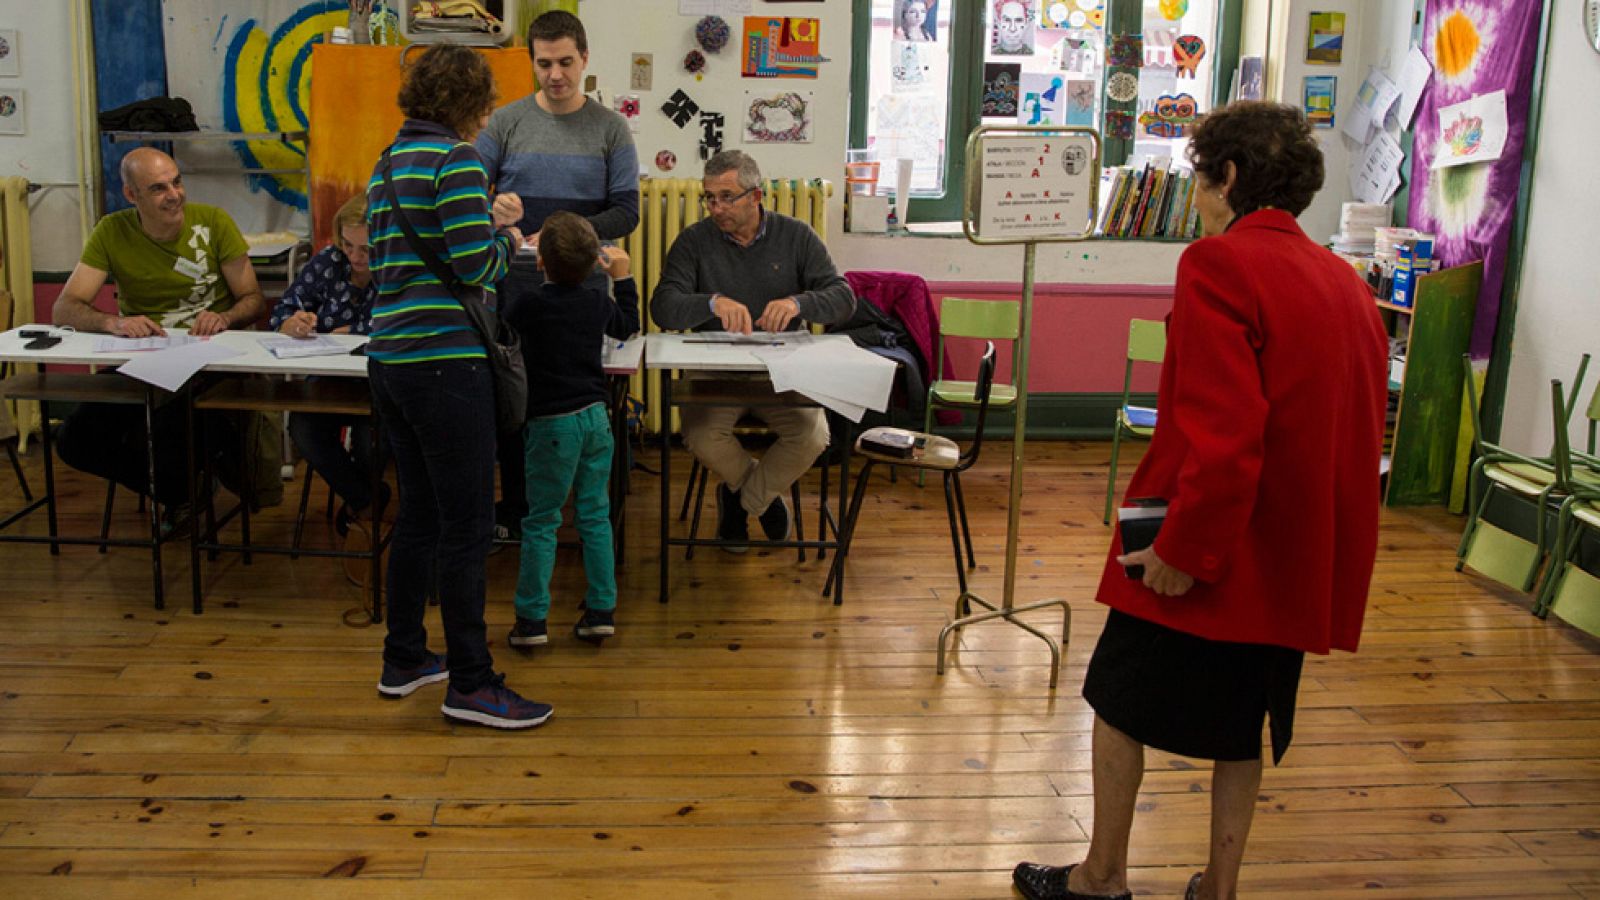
<point x="323" y="287"/>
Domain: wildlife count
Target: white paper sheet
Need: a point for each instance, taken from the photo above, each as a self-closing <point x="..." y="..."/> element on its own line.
<point x="1414" y="75"/>
<point x="840" y="376"/>
<point x="712" y="7"/>
<point x="1472" y="131"/>
<point x="125" y="345"/>
<point x="169" y="369"/>
<point x="1373" y="99"/>
<point x="285" y="347"/>
<point x="1378" y="166"/>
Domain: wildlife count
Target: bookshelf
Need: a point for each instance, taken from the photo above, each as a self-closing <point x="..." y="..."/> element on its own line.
<point x="1423" y="439"/>
<point x="1150" y="203"/>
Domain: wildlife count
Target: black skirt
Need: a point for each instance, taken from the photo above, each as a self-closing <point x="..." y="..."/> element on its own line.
<point x="1189" y="695"/>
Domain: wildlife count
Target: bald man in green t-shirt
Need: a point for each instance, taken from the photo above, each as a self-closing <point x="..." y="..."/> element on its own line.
<point x="176" y="264"/>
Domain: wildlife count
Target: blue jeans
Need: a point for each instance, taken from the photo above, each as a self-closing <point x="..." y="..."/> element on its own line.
<point x="439" y="421"/>
<point x="567" y="454"/>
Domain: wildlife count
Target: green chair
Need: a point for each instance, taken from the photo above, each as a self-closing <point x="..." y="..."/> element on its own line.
<point x="1492" y="551"/>
<point x="986" y="320"/>
<point x="1579" y="604"/>
<point x="1147" y="343"/>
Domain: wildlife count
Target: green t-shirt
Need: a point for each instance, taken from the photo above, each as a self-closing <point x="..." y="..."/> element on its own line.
<point x="169" y="281"/>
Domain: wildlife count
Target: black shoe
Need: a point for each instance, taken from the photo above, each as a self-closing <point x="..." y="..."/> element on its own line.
<point x="776" y="521"/>
<point x="1192" y="892"/>
<point x="1037" y="881"/>
<point x="528" y="633"/>
<point x="508" y="533"/>
<point x="733" y="523"/>
<point x="596" y="625"/>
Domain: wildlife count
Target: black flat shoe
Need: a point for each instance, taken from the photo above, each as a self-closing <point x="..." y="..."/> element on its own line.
<point x="1037" y="881"/>
<point x="1192" y="892"/>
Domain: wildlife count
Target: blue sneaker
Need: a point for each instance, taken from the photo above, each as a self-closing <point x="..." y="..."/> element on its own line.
<point x="494" y="705"/>
<point x="397" y="682"/>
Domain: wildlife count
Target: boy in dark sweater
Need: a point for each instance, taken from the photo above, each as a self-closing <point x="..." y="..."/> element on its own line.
<point x="564" y="324"/>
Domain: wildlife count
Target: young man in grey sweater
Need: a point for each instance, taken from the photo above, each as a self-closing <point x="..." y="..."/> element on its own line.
<point x="740" y="269"/>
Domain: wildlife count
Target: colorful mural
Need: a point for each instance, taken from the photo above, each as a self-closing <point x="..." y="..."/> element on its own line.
<point x="1476" y="48"/>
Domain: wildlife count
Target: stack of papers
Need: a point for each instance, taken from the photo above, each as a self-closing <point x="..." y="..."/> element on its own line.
<point x="284" y="347"/>
<point x="169" y="369"/>
<point x="836" y="374"/>
<point x="125" y="345"/>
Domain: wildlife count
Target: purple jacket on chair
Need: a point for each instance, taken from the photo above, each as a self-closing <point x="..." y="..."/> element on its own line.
<point x="906" y="297"/>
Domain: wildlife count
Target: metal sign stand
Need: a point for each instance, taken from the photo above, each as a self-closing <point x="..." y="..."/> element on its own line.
<point x="1076" y="153"/>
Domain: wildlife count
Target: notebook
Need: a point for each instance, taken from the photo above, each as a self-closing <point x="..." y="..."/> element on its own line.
<point x="1139" y="521"/>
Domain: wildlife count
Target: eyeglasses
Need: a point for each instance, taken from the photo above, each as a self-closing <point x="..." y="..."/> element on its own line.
<point x="710" y="200"/>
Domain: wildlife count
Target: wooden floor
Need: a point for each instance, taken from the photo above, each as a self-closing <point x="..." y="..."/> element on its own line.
<point x="750" y="740"/>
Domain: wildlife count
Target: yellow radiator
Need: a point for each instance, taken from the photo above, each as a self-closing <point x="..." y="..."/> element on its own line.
<point x="16" y="283"/>
<point x="669" y="205"/>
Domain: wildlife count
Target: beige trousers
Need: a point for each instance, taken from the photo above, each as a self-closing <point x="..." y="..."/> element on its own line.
<point x="802" y="436"/>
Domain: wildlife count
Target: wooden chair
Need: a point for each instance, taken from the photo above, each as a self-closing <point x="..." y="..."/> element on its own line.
<point x="939" y="454"/>
<point x="987" y="320"/>
<point x="1147" y="343"/>
<point x="1579" y="513"/>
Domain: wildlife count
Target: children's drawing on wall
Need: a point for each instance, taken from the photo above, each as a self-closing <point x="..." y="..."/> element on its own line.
<point x="1044" y="100"/>
<point x="1057" y="14"/>
<point x="710" y="134"/>
<point x="1011" y="25"/>
<point x="908" y="68"/>
<point x="916" y="20"/>
<point x="1325" y="39"/>
<point x="639" y="74"/>
<point x="1080" y="102"/>
<point x="778" y="118"/>
<point x="1472" y="131"/>
<point x="1123" y="85"/>
<point x="1319" y="91"/>
<point x="912" y="126"/>
<point x="680" y="108"/>
<point x="1078" y="52"/>
<point x="628" y="106"/>
<point x="666" y="160"/>
<point x="1171" y="117"/>
<point x="1252" y="78"/>
<point x="1173" y="10"/>
<point x="11" y="112"/>
<point x="1001" y="82"/>
<point x="10" y="65"/>
<point x="1125" y="50"/>
<point x="1187" y="51"/>
<point x="782" y="48"/>
<point x="1119" y="125"/>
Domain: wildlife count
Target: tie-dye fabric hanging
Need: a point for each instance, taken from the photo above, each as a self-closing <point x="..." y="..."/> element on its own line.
<point x="1476" y="47"/>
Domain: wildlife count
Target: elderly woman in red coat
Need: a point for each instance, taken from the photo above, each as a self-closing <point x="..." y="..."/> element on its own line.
<point x="1272" y="411"/>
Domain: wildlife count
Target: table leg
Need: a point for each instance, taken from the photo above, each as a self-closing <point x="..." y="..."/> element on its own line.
<point x="844" y="488"/>
<point x="247" y="486"/>
<point x="49" y="475"/>
<point x="155" y="514"/>
<point x="197" y="481"/>
<point x="666" y="476"/>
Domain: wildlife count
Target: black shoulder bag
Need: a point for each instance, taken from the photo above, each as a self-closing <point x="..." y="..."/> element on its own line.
<point x="500" y="341"/>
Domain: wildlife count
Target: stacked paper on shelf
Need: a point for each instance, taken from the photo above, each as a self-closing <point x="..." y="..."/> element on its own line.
<point x="1358" y="223"/>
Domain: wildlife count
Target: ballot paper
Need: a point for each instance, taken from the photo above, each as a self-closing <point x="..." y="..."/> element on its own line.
<point x="284" y="347"/>
<point x="836" y="374"/>
<point x="169" y="369"/>
<point x="125" y="344"/>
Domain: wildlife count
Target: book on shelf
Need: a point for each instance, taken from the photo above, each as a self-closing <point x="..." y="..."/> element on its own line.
<point x="1153" y="200"/>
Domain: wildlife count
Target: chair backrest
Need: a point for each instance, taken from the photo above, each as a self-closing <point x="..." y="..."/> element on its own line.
<point x="981" y="391"/>
<point x="1147" y="342"/>
<point x="995" y="320"/>
<point x="1594" y="415"/>
<point x="1472" y="403"/>
<point x="1560" y="450"/>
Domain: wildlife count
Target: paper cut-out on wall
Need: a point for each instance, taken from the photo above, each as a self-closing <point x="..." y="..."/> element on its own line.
<point x="907" y="67"/>
<point x="680" y="108"/>
<point x="628" y="106"/>
<point x="1060" y="14"/>
<point x="639" y="75"/>
<point x="711" y="33"/>
<point x="694" y="62"/>
<point x="1001" y="82"/>
<point x="1011" y="25"/>
<point x="1172" y="116"/>
<point x="1187" y="51"/>
<point x="1125" y="50"/>
<point x="1119" y="124"/>
<point x="1080" y="102"/>
<point x="916" y="20"/>
<point x="1044" y="100"/>
<point x="666" y="160"/>
<point x="1325" y="40"/>
<point x="777" y="118"/>
<point x="710" y="134"/>
<point x="782" y="48"/>
<point x="1173" y="10"/>
<point x="1122" y="86"/>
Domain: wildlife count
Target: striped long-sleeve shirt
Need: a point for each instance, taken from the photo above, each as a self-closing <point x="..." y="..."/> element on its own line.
<point x="442" y="188"/>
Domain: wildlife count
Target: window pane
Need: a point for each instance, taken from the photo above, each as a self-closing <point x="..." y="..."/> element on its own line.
<point x="908" y="89"/>
<point x="1174" y="88"/>
<point x="1043" y="62"/>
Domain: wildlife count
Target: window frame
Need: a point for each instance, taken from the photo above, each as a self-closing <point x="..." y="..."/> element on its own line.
<point x="966" y="85"/>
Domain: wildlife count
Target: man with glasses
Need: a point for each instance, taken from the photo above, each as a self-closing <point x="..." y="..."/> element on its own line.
<point x="741" y="269"/>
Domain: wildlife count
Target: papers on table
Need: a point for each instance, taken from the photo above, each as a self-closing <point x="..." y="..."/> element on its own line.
<point x="1375" y="175"/>
<point x="1472" y="131"/>
<point x="169" y="369"/>
<point x="836" y="374"/>
<point x="124" y="345"/>
<point x="285" y="347"/>
<point x="1373" y="100"/>
<point x="1414" y="75"/>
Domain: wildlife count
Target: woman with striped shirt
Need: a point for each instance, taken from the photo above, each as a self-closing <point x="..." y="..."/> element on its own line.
<point x="431" y="381"/>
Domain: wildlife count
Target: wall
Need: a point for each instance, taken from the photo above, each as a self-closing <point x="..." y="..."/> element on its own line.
<point x="47" y="155"/>
<point x="1558" y="305"/>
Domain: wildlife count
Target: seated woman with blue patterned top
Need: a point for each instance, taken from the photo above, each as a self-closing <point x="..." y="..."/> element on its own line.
<point x="333" y="294"/>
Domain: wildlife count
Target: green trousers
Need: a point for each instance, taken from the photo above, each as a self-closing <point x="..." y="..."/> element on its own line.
<point x="562" y="455"/>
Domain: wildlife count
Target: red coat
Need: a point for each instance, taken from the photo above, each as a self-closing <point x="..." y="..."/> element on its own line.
<point x="1270" y="426"/>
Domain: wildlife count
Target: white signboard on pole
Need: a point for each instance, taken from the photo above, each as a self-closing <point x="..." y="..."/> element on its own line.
<point x="1034" y="185"/>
